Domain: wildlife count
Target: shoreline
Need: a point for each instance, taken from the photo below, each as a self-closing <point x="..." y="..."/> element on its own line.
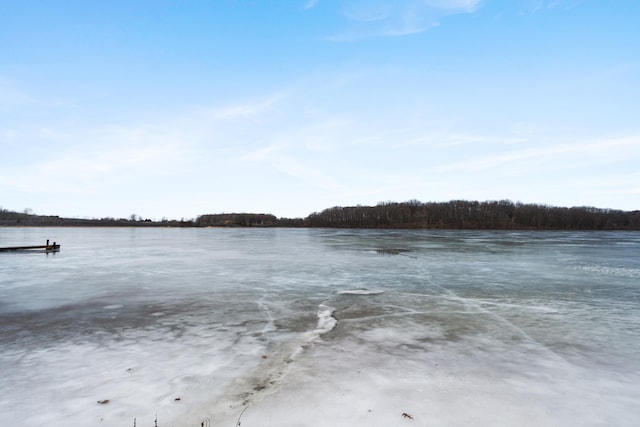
<point x="453" y="215"/>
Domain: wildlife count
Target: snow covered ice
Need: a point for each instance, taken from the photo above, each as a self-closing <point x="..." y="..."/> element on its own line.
<point x="320" y="328"/>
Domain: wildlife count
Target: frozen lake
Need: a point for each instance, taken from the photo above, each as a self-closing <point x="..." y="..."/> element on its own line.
<point x="314" y="327"/>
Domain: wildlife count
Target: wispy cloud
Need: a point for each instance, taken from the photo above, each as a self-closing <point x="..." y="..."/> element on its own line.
<point x="14" y="96"/>
<point x="282" y="158"/>
<point x="247" y="109"/>
<point x="537" y="5"/>
<point x="10" y="100"/>
<point x="89" y="161"/>
<point x="457" y="5"/>
<point x="383" y="18"/>
<point x="452" y="138"/>
<point x="310" y="4"/>
<point x="302" y="148"/>
<point x="393" y="18"/>
<point x="563" y="155"/>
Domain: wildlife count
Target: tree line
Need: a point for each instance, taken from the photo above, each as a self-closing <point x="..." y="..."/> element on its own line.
<point x="462" y="214"/>
<point x="455" y="214"/>
<point x="28" y="219"/>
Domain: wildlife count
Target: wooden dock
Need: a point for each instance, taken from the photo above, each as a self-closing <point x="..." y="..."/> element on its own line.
<point x="54" y="247"/>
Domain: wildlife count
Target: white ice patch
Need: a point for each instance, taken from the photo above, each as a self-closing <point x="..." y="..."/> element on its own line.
<point x="361" y="292"/>
<point x="477" y="381"/>
<point x="616" y="271"/>
<point x="326" y="321"/>
<point x="263" y="381"/>
<point x="394" y="337"/>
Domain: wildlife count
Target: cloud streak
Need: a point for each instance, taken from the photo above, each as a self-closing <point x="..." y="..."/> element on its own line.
<point x="594" y="152"/>
<point x="386" y="18"/>
<point x="310" y="4"/>
<point x="88" y="161"/>
<point x="299" y="149"/>
<point x="256" y="108"/>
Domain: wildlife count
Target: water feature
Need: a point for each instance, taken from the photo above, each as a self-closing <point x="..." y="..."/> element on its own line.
<point x="315" y="327"/>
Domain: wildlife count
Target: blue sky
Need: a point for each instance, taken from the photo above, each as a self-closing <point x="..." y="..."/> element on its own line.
<point x="180" y="108"/>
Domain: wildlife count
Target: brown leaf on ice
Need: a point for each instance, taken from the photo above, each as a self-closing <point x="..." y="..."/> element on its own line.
<point x="103" y="402"/>
<point x="405" y="415"/>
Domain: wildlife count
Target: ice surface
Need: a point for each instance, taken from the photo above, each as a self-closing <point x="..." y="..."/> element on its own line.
<point x="361" y="291"/>
<point x="320" y="328"/>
